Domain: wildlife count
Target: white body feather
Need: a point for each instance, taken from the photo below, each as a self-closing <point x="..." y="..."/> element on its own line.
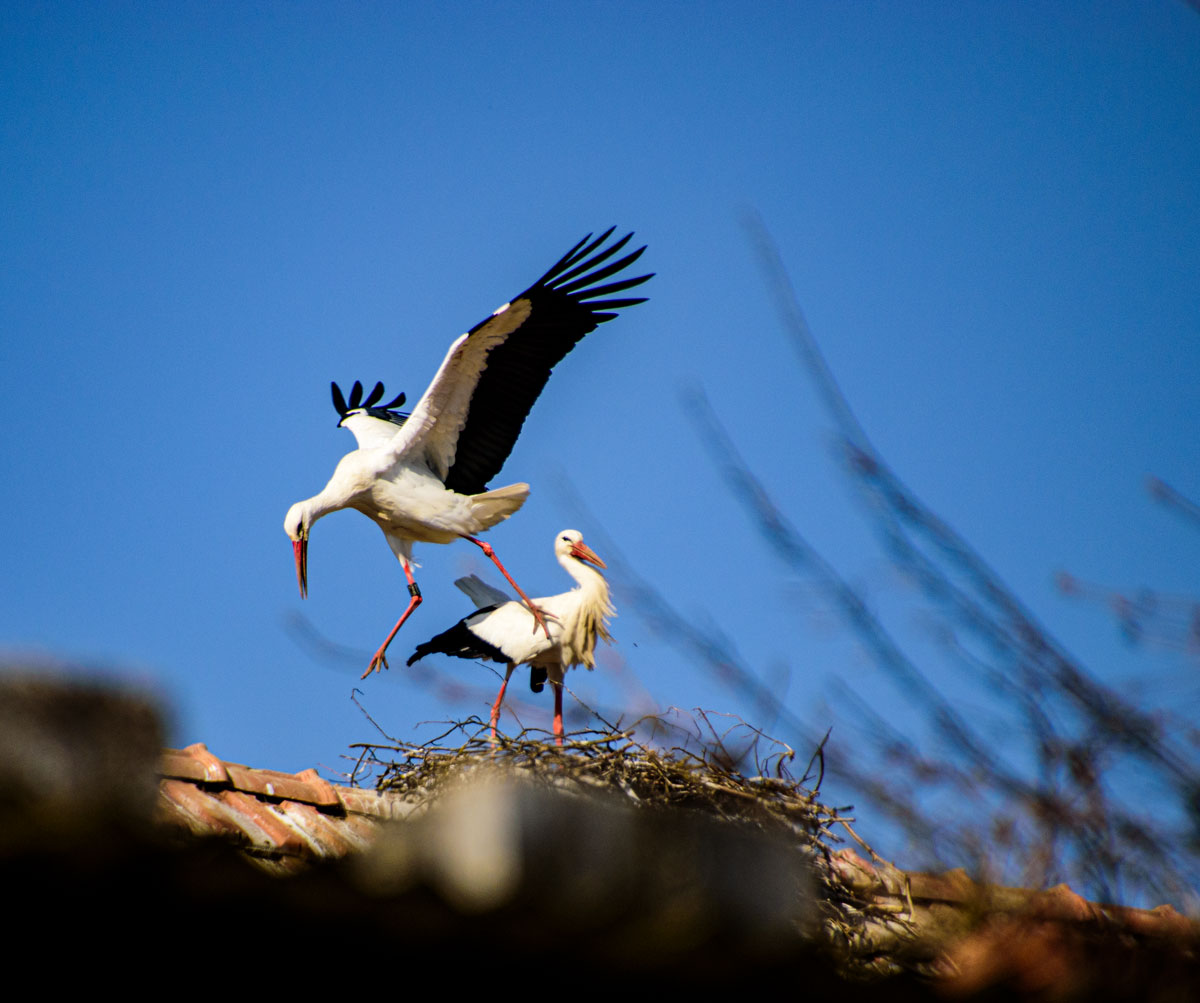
<point x="577" y="619"/>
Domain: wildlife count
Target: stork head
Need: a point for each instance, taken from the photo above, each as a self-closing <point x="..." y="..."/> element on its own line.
<point x="569" y="543"/>
<point x="296" y="524"/>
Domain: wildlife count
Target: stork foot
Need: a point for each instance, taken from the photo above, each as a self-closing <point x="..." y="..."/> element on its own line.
<point x="377" y="663"/>
<point x="540" y="616"/>
<point x="380" y="660"/>
<point x="538" y="620"/>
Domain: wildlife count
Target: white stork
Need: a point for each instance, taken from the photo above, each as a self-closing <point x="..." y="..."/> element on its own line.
<point x="499" y="629"/>
<point x="423" y="476"/>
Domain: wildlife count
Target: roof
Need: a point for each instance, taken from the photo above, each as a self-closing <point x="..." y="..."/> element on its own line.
<point x="282" y="821"/>
<point x="971" y="936"/>
<point x="107" y="841"/>
<point x="977" y="937"/>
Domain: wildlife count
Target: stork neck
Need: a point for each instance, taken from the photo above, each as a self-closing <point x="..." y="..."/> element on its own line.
<point x="588" y="578"/>
<point x="329" y="500"/>
<point x="587" y="620"/>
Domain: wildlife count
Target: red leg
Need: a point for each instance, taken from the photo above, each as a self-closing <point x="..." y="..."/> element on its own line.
<point x="414" y="601"/>
<point x="537" y="613"/>
<point x="500" y="700"/>
<point x="558" y="725"/>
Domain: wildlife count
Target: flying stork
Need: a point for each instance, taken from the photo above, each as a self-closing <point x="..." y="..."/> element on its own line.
<point x="499" y="629"/>
<point x="422" y="477"/>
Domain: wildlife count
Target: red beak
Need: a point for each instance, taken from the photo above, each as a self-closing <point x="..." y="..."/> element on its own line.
<point x="300" y="547"/>
<point x="583" y="552"/>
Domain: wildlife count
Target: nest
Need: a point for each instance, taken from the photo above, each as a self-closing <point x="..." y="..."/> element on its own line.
<point x="713" y="765"/>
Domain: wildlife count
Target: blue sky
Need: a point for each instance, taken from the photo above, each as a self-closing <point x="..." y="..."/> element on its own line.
<point x="990" y="214"/>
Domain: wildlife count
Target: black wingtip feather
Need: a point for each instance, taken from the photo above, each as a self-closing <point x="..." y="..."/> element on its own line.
<point x="564" y="262"/>
<point x="604" y="255"/>
<point x="374" y="396"/>
<point x="339" y="402"/>
<point x="617" y="304"/>
<point x="573" y="257"/>
<point x="595" y="243"/>
<point x="587" y="293"/>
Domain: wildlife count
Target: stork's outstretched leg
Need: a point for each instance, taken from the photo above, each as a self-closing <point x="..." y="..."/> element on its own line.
<point x="537" y="613"/>
<point x="500" y="699"/>
<point x="414" y="601"/>
<point x="558" y="725"/>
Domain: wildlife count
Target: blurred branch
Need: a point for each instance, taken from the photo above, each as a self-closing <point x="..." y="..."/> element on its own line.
<point x="1162" y="492"/>
<point x="1064" y="798"/>
<point x="1168" y="621"/>
<point x="794" y="550"/>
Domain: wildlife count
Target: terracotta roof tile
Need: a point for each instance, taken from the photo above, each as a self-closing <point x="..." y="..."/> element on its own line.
<point x="982" y="935"/>
<point x="193" y="763"/>
<point x="325" y="836"/>
<point x="1162" y="919"/>
<point x="282" y="820"/>
<point x="203" y="814"/>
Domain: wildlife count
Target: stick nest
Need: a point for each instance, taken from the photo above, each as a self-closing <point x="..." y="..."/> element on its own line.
<point x="701" y="762"/>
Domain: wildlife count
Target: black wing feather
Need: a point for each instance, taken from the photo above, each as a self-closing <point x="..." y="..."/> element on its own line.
<point x="339" y="402"/>
<point x="584" y="295"/>
<point x="460" y="642"/>
<point x="374" y="396"/>
<point x="563" y="285"/>
<point x="602" y="256"/>
<point x="573" y="256"/>
<point x="397" y="402"/>
<point x="616" y="304"/>
<point x="518" y="368"/>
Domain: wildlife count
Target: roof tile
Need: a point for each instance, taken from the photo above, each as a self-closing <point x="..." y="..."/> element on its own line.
<point x="282" y="820"/>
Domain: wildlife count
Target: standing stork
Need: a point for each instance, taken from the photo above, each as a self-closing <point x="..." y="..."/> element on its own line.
<point x="423" y="477"/>
<point x="499" y="629"/>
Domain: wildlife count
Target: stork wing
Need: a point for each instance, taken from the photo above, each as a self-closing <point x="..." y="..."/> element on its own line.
<point x="371" y="432"/>
<point x="480" y="592"/>
<point x="468" y="420"/>
<point x="372" y="423"/>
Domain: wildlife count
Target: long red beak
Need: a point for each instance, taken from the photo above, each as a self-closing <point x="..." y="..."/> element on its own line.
<point x="585" y="553"/>
<point x="300" y="547"/>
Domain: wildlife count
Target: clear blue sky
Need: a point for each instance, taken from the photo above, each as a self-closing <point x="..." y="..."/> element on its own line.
<point x="990" y="213"/>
